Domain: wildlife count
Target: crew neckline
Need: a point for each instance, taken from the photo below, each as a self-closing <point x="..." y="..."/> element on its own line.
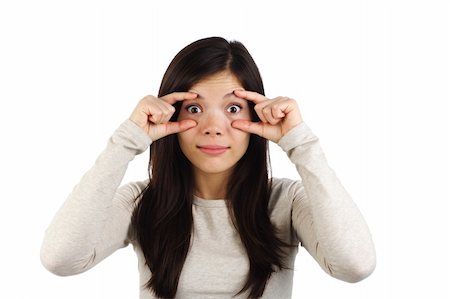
<point x="209" y="203"/>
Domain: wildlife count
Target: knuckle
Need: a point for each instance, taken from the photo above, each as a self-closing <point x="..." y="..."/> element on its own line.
<point x="170" y="109"/>
<point x="147" y="101"/>
<point x="267" y="110"/>
<point x="148" y="98"/>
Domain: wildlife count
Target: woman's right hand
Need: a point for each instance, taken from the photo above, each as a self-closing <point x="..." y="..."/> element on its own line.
<point x="153" y="114"/>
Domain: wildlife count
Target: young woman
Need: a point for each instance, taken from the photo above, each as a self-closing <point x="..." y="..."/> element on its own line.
<point x="210" y="222"/>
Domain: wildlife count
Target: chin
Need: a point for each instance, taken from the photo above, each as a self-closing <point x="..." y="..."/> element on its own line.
<point x="214" y="170"/>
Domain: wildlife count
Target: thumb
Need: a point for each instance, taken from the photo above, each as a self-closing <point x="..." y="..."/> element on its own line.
<point x="179" y="126"/>
<point x="248" y="126"/>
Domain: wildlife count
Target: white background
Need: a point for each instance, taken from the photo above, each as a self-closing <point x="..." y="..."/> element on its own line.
<point x="371" y="79"/>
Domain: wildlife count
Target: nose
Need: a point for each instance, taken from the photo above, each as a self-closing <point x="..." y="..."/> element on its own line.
<point x="213" y="132"/>
<point x="213" y="125"/>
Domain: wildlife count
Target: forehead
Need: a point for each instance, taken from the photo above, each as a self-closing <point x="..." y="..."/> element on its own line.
<point x="220" y="83"/>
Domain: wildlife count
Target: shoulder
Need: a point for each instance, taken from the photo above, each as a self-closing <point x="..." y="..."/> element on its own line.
<point x="136" y="187"/>
<point x="128" y="195"/>
<point x="285" y="190"/>
<point x="283" y="194"/>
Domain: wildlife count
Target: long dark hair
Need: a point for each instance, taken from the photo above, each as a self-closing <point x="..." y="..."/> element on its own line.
<point x="162" y="219"/>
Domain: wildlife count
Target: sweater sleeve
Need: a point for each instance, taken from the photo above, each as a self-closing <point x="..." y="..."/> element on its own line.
<point x="94" y="220"/>
<point x="327" y="222"/>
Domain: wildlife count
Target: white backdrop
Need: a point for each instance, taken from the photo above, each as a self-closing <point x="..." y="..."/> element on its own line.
<point x="371" y="79"/>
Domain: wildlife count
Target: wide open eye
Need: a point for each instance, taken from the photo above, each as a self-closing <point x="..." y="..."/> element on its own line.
<point x="193" y="109"/>
<point x="234" y="108"/>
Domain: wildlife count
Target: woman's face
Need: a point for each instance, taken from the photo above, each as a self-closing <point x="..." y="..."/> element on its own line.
<point x="213" y="146"/>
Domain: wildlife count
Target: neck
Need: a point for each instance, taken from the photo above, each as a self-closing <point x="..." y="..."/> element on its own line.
<point x="211" y="186"/>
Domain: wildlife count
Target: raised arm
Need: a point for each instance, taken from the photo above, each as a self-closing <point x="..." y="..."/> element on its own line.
<point x="325" y="218"/>
<point x="94" y="220"/>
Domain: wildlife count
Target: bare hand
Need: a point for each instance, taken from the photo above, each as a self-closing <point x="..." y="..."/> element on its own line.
<point x="153" y="115"/>
<point x="278" y="116"/>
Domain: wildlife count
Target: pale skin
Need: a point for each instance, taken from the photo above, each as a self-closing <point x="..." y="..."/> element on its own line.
<point x="215" y="111"/>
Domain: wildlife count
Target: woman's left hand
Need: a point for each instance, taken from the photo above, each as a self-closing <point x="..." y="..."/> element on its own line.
<point x="278" y="116"/>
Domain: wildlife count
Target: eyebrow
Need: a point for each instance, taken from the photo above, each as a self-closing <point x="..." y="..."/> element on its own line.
<point x="200" y="97"/>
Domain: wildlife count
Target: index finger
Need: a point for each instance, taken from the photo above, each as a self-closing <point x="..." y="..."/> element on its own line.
<point x="174" y="97"/>
<point x="250" y="95"/>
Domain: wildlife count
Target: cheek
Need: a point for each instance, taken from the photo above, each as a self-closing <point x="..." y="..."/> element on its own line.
<point x="185" y="139"/>
<point x="239" y="135"/>
<point x="242" y="139"/>
<point x="183" y="115"/>
<point x="245" y="115"/>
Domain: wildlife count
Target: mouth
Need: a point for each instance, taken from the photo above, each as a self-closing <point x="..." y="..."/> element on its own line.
<point x="213" y="149"/>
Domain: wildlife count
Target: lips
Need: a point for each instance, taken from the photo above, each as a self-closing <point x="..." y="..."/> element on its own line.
<point x="212" y="149"/>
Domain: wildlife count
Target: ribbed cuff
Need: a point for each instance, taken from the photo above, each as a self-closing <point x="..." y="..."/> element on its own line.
<point x="297" y="136"/>
<point x="132" y="136"/>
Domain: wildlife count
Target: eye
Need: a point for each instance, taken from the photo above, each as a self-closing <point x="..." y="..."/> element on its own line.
<point x="234" y="108"/>
<point x="193" y="109"/>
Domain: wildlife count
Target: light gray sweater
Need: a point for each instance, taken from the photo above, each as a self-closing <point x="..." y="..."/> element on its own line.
<point x="315" y="212"/>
